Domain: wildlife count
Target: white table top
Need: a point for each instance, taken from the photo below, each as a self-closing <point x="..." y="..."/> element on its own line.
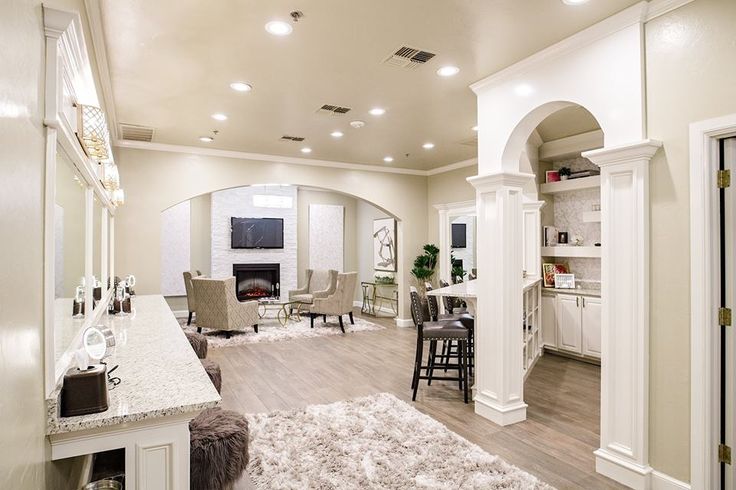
<point x="161" y="375"/>
<point x="468" y="289"/>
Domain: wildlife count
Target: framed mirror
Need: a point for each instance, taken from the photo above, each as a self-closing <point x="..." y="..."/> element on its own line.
<point x="463" y="248"/>
<point x="98" y="283"/>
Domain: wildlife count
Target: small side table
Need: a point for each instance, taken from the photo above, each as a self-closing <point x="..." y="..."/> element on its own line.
<point x="376" y="294"/>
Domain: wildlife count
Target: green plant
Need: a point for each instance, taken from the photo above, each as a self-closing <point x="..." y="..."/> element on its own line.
<point x="564" y="171"/>
<point x="455" y="270"/>
<point x="424" y="264"/>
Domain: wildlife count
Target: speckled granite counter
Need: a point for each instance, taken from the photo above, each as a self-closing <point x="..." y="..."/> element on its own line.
<point x="580" y="291"/>
<point x="161" y="375"/>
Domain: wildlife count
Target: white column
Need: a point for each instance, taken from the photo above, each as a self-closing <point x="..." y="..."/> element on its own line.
<point x="499" y="383"/>
<point x="532" y="238"/>
<point x="443" y="231"/>
<point x="624" y="452"/>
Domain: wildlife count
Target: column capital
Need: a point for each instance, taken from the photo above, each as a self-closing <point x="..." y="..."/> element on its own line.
<point x="493" y="181"/>
<point x="640" y="151"/>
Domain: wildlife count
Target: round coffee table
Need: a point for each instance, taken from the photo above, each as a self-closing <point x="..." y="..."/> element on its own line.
<point x="285" y="309"/>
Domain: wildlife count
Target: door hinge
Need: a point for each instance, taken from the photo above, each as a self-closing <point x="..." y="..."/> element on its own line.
<point x="724" y="454"/>
<point x="724" y="317"/>
<point x="724" y="179"/>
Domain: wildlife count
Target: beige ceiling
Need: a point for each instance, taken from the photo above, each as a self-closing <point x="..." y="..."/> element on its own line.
<point x="172" y="62"/>
<point x="567" y="122"/>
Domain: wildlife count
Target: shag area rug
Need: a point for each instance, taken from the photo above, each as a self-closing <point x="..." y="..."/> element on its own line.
<point x="270" y="330"/>
<point x="375" y="442"/>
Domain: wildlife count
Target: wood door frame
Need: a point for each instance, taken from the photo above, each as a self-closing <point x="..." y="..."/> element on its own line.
<point x="704" y="283"/>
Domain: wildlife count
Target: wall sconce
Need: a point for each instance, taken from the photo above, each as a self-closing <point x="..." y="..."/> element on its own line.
<point x="117" y="197"/>
<point x="92" y="132"/>
<point x="110" y="176"/>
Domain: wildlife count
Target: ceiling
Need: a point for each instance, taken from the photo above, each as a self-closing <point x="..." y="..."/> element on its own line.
<point x="569" y="121"/>
<point x="171" y="64"/>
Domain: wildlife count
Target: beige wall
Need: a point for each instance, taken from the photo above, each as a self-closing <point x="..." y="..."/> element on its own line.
<point x="147" y="178"/>
<point x="691" y="76"/>
<point x="365" y="216"/>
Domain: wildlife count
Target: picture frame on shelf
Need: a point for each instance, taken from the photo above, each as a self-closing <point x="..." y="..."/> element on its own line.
<point x="550" y="270"/>
<point x="552" y="176"/>
<point x="564" y="281"/>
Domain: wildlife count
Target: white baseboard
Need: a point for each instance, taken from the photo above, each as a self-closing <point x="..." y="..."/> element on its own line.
<point x="660" y="481"/>
<point x="382" y="309"/>
<point x="622" y="470"/>
<point x="402" y="322"/>
<point x="180" y="313"/>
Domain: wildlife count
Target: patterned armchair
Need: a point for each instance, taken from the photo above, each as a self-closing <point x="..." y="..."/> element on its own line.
<point x="191" y="303"/>
<point x="320" y="284"/>
<point x="219" y="309"/>
<point x="338" y="303"/>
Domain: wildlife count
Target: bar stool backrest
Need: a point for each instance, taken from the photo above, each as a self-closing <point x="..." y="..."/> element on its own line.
<point x="416" y="307"/>
<point x="448" y="301"/>
<point x="434" y="309"/>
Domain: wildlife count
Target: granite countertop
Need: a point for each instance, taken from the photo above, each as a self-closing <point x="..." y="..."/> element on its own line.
<point x="580" y="291"/>
<point x="161" y="375"/>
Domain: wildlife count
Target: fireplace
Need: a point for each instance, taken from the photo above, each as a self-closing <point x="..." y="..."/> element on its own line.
<point x="253" y="281"/>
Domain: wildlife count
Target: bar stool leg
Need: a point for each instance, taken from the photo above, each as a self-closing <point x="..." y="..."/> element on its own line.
<point x="464" y="357"/>
<point x="418" y="368"/>
<point x="417" y="358"/>
<point x="432" y="357"/>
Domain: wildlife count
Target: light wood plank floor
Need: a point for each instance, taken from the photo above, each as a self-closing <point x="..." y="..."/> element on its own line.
<point x="555" y="443"/>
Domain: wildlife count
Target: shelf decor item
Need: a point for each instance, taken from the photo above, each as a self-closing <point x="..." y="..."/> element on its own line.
<point x="550" y="270"/>
<point x="564" y="281"/>
<point x="552" y="176"/>
<point x="564" y="173"/>
<point x="562" y="238"/>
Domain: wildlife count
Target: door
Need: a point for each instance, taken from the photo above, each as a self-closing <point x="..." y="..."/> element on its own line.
<point x="591" y="319"/>
<point x="549" y="321"/>
<point x="569" y="331"/>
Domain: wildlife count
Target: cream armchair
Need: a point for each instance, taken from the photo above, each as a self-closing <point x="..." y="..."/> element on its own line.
<point x="191" y="302"/>
<point x="219" y="309"/>
<point x="320" y="284"/>
<point x="338" y="303"/>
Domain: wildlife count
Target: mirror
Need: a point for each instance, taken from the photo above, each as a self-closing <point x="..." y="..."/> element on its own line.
<point x="462" y="245"/>
<point x="98" y="214"/>
<point x="69" y="252"/>
<point x="94" y="343"/>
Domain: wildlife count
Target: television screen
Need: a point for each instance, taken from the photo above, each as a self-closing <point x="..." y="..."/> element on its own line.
<point x="458" y="235"/>
<point x="257" y="233"/>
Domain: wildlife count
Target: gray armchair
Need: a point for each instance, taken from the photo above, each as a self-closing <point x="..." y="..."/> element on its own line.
<point x="338" y="303"/>
<point x="191" y="302"/>
<point x="219" y="309"/>
<point x="320" y="283"/>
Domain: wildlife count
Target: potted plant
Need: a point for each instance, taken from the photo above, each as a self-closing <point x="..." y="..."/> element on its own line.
<point x="424" y="265"/>
<point x="564" y="173"/>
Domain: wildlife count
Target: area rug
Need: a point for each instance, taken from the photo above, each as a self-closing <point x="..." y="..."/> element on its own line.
<point x="374" y="442"/>
<point x="270" y="330"/>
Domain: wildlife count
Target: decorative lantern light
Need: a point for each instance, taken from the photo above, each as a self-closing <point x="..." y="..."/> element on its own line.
<point x="117" y="197"/>
<point x="110" y="176"/>
<point x="93" y="133"/>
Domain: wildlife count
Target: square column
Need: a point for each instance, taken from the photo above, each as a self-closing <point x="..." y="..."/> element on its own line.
<point x="624" y="452"/>
<point x="499" y="381"/>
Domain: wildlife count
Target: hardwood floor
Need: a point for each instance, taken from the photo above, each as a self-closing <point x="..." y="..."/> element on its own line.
<point x="555" y="443"/>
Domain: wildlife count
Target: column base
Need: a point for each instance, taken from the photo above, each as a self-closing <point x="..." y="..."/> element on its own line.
<point x="622" y="470"/>
<point x="490" y="409"/>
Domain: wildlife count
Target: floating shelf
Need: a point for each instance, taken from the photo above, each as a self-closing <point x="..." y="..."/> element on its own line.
<point x="571" y="185"/>
<point x="592" y="217"/>
<point x="571" y="251"/>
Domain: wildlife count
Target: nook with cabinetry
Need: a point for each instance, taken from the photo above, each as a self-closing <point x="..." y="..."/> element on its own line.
<point x="571" y="323"/>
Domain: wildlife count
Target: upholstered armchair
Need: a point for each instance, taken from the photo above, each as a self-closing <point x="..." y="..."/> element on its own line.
<point x="320" y="283"/>
<point x="218" y="307"/>
<point x="191" y="302"/>
<point x="339" y="303"/>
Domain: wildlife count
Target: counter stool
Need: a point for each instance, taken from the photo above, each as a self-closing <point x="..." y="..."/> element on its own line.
<point x="218" y="452"/>
<point x="213" y="371"/>
<point x="432" y="331"/>
<point x="450" y="350"/>
<point x="198" y="343"/>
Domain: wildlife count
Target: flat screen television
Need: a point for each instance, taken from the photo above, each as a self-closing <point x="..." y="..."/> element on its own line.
<point x="256" y="233"/>
<point x="459" y="235"/>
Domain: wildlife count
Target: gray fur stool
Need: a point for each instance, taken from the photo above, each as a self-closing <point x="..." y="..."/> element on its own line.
<point x="218" y="449"/>
<point x="198" y="343"/>
<point x="213" y="371"/>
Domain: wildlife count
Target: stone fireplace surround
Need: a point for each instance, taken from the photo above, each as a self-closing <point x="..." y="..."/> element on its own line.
<point x="254" y="281"/>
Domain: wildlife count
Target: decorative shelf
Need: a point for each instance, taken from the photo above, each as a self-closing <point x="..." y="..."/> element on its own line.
<point x="571" y="251"/>
<point x="571" y="185"/>
<point x="592" y="217"/>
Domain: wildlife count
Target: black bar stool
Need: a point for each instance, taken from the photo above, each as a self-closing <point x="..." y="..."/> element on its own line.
<point x="432" y="331"/>
<point x="450" y="350"/>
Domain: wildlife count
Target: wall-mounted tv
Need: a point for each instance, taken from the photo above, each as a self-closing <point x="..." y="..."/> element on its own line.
<point x="256" y="233"/>
<point x="459" y="235"/>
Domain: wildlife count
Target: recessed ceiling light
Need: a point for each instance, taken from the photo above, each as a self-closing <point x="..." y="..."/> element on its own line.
<point x="206" y="139"/>
<point x="357" y="124"/>
<point x="574" y="2"/>
<point x="524" y="89"/>
<point x="448" y="71"/>
<point x="336" y="134"/>
<point x="218" y="116"/>
<point x="241" y="86"/>
<point x="377" y="111"/>
<point x="428" y="146"/>
<point x="278" y="28"/>
<point x="474" y="128"/>
<point x="388" y="159"/>
<point x="306" y="150"/>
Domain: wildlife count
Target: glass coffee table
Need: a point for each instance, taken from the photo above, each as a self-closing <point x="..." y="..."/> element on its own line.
<point x="285" y="309"/>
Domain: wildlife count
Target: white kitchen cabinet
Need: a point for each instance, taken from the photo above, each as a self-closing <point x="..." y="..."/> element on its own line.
<point x="569" y="331"/>
<point x="549" y="321"/>
<point x="591" y="323"/>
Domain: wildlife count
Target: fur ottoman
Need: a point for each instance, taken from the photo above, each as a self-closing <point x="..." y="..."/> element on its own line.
<point x="198" y="343"/>
<point x="213" y="371"/>
<point x="218" y="449"/>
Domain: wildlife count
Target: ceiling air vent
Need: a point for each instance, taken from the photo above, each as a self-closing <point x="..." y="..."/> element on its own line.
<point x="132" y="132"/>
<point x="286" y="137"/>
<point x="333" y="109"/>
<point x="406" y="57"/>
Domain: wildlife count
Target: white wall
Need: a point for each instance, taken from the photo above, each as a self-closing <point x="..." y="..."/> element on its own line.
<point x="175" y="248"/>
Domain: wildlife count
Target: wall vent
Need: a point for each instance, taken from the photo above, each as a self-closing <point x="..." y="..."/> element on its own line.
<point x="408" y="57"/>
<point x="335" y="110"/>
<point x="133" y="132"/>
<point x="286" y="137"/>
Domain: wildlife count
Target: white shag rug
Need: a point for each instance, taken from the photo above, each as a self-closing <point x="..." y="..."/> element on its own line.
<point x="270" y="330"/>
<point x="375" y="442"/>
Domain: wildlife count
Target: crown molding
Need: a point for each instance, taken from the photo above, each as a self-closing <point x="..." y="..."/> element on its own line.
<point x="452" y="166"/>
<point x="453" y="206"/>
<point x="641" y="150"/>
<point x="494" y="181"/>
<point x="99" y="46"/>
<point x="661" y="7"/>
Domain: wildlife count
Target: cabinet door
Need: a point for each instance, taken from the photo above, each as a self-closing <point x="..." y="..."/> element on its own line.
<point x="591" y="326"/>
<point x="569" y="331"/>
<point x="549" y="321"/>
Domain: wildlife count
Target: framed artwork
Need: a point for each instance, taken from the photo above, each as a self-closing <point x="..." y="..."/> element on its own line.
<point x="549" y="271"/>
<point x="564" y="281"/>
<point x="384" y="244"/>
<point x="552" y="176"/>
